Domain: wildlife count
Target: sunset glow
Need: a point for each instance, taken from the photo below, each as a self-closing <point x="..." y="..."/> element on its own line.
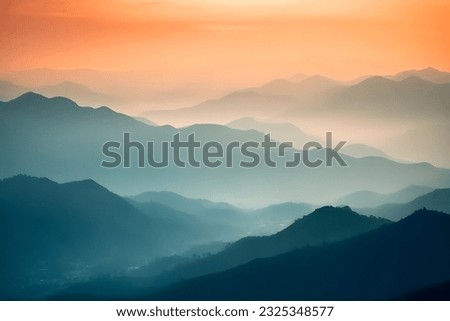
<point x="232" y="42"/>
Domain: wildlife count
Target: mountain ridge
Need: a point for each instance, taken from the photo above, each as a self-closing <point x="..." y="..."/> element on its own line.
<point x="353" y="269"/>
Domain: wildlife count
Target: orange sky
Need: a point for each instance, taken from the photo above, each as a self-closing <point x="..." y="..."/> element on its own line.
<point x="232" y="41"/>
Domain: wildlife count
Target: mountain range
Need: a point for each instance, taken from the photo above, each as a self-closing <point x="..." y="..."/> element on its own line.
<point x="324" y="257"/>
<point x="421" y="143"/>
<point x="72" y="228"/>
<point x="55" y="234"/>
<point x="324" y="225"/>
<point x="61" y="232"/>
<point x="437" y="200"/>
<point x="383" y="98"/>
<point x="282" y="132"/>
<point x="74" y="91"/>
<point x="62" y="141"/>
<point x="398" y="115"/>
<point x="266" y="101"/>
<point x="372" y="199"/>
<point x="429" y="74"/>
<point x="65" y="234"/>
<point x="380" y="265"/>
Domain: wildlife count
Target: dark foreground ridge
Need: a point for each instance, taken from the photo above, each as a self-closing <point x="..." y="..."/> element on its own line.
<point x="380" y="265"/>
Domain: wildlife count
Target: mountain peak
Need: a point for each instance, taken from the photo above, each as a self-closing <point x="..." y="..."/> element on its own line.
<point x="298" y="77"/>
<point x="430" y="69"/>
<point x="276" y="82"/>
<point x="87" y="184"/>
<point x="429" y="74"/>
<point x="333" y="219"/>
<point x="319" y="79"/>
<point x="24" y="184"/>
<point x="375" y="81"/>
<point x="425" y="213"/>
<point x="415" y="80"/>
<point x="332" y="210"/>
<point x="29" y="96"/>
<point x="424" y="219"/>
<point x="32" y="99"/>
<point x="22" y="178"/>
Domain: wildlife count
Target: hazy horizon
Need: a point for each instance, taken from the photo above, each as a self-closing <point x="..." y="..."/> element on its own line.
<point x="172" y="54"/>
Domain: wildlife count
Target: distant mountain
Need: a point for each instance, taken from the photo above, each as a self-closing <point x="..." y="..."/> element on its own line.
<point x="379" y="265"/>
<point x="298" y="77"/>
<point x="225" y="109"/>
<point x="130" y="89"/>
<point x="382" y="98"/>
<point x="9" y="90"/>
<point x="79" y="93"/>
<point x="429" y="74"/>
<point x="378" y="99"/>
<point x="62" y="141"/>
<point x="74" y="91"/>
<point x="53" y="234"/>
<point x="146" y="121"/>
<point x="182" y="203"/>
<point x="305" y="90"/>
<point x="267" y="101"/>
<point x="40" y="77"/>
<point x="437" y="200"/>
<point x="403" y="95"/>
<point x="227" y="220"/>
<point x="224" y="220"/>
<point x="362" y="150"/>
<point x="274" y="218"/>
<point x="425" y="143"/>
<point x="282" y="132"/>
<point x="372" y="199"/>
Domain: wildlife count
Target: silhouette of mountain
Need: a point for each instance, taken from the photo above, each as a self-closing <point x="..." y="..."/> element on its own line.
<point x="404" y="94"/>
<point x="79" y="93"/>
<point x="362" y="150"/>
<point x="9" y="90"/>
<point x="53" y="233"/>
<point x="429" y="74"/>
<point x="423" y="143"/>
<point x="437" y="200"/>
<point x="193" y="206"/>
<point x="274" y="218"/>
<point x="282" y="132"/>
<point x="306" y="90"/>
<point x="63" y="142"/>
<point x="34" y="100"/>
<point x="146" y="121"/>
<point x="379" y="265"/>
<point x="266" y="101"/>
<point x="230" y="221"/>
<point x="381" y="98"/>
<point x="372" y="199"/>
<point x="225" y="109"/>
<point x="74" y="91"/>
<point x="224" y="221"/>
<point x="406" y="98"/>
<point x="324" y="225"/>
